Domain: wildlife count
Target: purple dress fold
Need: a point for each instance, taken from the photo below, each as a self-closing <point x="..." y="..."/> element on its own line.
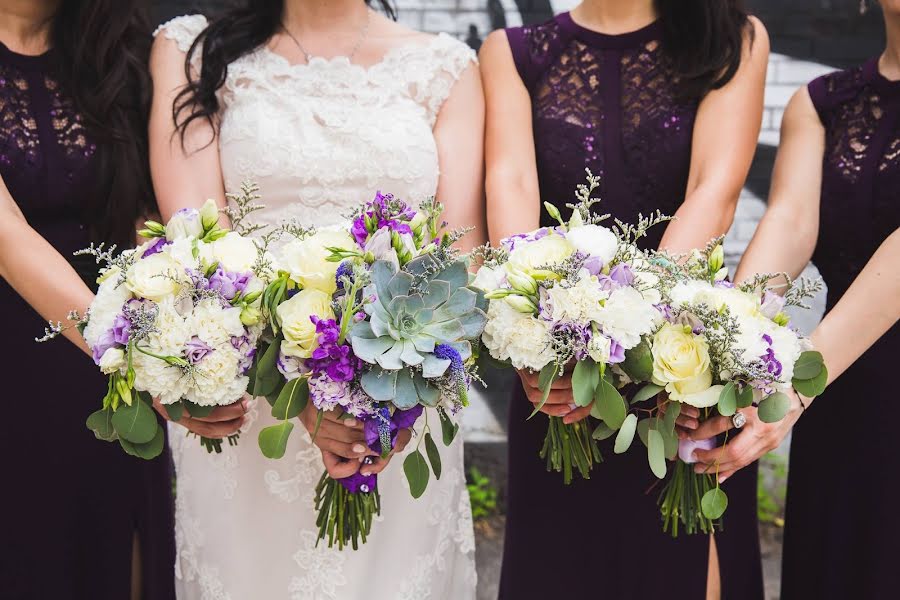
<point x="841" y="524"/>
<point x="72" y="503"/>
<point x="609" y="103"/>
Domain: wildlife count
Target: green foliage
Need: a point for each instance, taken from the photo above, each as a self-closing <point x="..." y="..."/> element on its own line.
<point x="482" y="494"/>
<point x="417" y="473"/>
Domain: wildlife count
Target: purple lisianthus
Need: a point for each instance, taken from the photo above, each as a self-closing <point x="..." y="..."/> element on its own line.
<point x="248" y="352"/>
<point x="326" y="393"/>
<point x="622" y="275"/>
<point x="106" y="341"/>
<point x="121" y="330"/>
<point x="616" y="352"/>
<point x="773" y="365"/>
<point x="724" y="283"/>
<point x="572" y="335"/>
<point x="290" y="366"/>
<point x="155" y="248"/>
<point x="196" y="350"/>
<point x="228" y="283"/>
<point x="593" y="264"/>
<point x="666" y="311"/>
<point x="198" y="279"/>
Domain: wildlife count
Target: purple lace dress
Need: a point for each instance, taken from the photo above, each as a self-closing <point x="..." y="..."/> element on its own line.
<point x="71" y="502"/>
<point x="842" y="524"/>
<point x="607" y="102"/>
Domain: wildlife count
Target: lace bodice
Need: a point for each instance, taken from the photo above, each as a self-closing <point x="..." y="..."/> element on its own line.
<point x="45" y="153"/>
<point x="320" y="138"/>
<point x="606" y="102"/>
<point x="860" y="204"/>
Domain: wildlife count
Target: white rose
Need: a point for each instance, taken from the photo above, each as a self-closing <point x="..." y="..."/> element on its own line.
<point x="300" y="337"/>
<point x="184" y="224"/>
<point x="112" y="361"/>
<point x="681" y="364"/>
<point x="155" y="277"/>
<point x="550" y="249"/>
<point x="234" y="252"/>
<point x="489" y="279"/>
<point x="307" y="260"/>
<point x="594" y="240"/>
<point x="182" y="251"/>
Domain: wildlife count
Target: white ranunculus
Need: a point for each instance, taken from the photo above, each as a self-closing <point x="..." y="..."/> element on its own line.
<point x="740" y="304"/>
<point x="184" y="224"/>
<point x="112" y="361"/>
<point x="155" y="277"/>
<point x="234" y="252"/>
<point x="594" y="240"/>
<point x="517" y="337"/>
<point x="182" y="251"/>
<point x="300" y="337"/>
<point x="626" y="316"/>
<point x="489" y="279"/>
<point x="111" y="297"/>
<point x="307" y="260"/>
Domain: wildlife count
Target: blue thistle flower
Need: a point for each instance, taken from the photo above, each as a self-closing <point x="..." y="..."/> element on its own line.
<point x="345" y="269"/>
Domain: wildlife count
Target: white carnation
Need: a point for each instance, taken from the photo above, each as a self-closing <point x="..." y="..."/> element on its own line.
<point x="158" y="378"/>
<point x="580" y="303"/>
<point x="214" y="324"/>
<point x="627" y="316"/>
<point x="489" y="279"/>
<point x="517" y="337"/>
<point x="594" y="240"/>
<point x="787" y="347"/>
<point x="217" y="380"/>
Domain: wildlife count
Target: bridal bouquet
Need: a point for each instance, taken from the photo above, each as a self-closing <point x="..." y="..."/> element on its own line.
<point x="377" y="321"/>
<point x="720" y="348"/>
<point x="176" y="318"/>
<point x="577" y="296"/>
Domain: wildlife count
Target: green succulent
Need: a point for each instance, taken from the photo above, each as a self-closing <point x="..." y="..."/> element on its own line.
<point x="415" y="310"/>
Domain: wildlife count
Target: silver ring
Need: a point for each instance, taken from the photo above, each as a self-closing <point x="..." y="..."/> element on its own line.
<point x="738" y="420"/>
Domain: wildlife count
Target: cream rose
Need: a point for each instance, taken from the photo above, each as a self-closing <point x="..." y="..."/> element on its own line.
<point x="307" y="260"/>
<point x="155" y="277"/>
<point x="529" y="258"/>
<point x="300" y="337"/>
<point x="234" y="253"/>
<point x="594" y="240"/>
<point x="681" y="364"/>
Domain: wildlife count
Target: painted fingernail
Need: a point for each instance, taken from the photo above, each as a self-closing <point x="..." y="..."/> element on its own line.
<point x="350" y="422"/>
<point x="365" y="473"/>
<point x="358" y="448"/>
<point x="723" y="478"/>
<point x="246" y="405"/>
<point x="572" y="406"/>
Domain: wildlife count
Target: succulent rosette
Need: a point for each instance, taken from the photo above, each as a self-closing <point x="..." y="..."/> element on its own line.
<point x="178" y="319"/>
<point x="376" y="321"/>
<point x="574" y="298"/>
<point x="720" y="348"/>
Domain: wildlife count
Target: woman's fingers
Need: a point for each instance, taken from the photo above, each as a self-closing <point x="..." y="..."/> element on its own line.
<point x="403" y="437"/>
<point x="374" y="465"/>
<point x="353" y="451"/>
<point x="218" y="430"/>
<point x="535" y="396"/>
<point x="576" y="415"/>
<point x="531" y="380"/>
<point x="337" y="468"/>
<point x="711" y="427"/>
<point x="225" y="413"/>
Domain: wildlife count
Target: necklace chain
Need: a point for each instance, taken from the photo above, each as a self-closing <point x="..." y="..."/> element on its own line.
<point x="359" y="42"/>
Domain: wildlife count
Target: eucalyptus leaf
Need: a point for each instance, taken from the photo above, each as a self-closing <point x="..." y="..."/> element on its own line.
<point x="602" y="432"/>
<point x="434" y="457"/>
<point x="809" y="365"/>
<point x="100" y="422"/>
<point x="728" y="400"/>
<point x="273" y="439"/>
<point x="175" y="410"/>
<point x="585" y="378"/>
<point x="670" y="442"/>
<point x="643" y="428"/>
<point x="548" y="375"/>
<point x="626" y="434"/>
<point x="773" y="408"/>
<point x="448" y="428"/>
<point x="714" y="503"/>
<point x="812" y="387"/>
<point x="656" y="453"/>
<point x="135" y="423"/>
<point x="417" y="473"/>
<point x="147" y="450"/>
<point x="745" y="397"/>
<point x="609" y="406"/>
<point x="646" y="393"/>
<point x="195" y="410"/>
<point x="673" y="410"/>
<point x="292" y="399"/>
<point x="638" y="363"/>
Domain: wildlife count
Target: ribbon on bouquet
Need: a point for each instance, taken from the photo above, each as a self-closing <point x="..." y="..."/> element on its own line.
<point x="380" y="429"/>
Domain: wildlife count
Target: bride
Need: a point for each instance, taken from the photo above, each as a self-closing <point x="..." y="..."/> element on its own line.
<point x="321" y="103"/>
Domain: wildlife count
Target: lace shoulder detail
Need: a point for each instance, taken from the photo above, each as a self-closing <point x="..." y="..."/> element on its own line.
<point x="534" y="48"/>
<point x="830" y="91"/>
<point x="183" y="30"/>
<point x="430" y="72"/>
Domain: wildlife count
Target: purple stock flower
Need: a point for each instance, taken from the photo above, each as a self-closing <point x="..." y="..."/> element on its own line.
<point x="330" y="357"/>
<point x="121" y="330"/>
<point x="228" y="283"/>
<point x="155" y="247"/>
<point x="384" y="211"/>
<point x="196" y="350"/>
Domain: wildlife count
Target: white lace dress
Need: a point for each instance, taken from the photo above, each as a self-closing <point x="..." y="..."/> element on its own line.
<point x="319" y="139"/>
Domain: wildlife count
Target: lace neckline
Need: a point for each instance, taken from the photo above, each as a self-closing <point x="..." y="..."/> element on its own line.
<point x="26" y="61"/>
<point x="343" y="62"/>
<point x="630" y="39"/>
<point x="885" y="86"/>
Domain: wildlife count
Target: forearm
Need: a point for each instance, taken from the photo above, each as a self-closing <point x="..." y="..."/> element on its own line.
<point x="706" y="213"/>
<point x="783" y="243"/>
<point x="514" y="204"/>
<point x="42" y="276"/>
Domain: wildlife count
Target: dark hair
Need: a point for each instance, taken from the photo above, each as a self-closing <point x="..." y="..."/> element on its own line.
<point x="102" y="48"/>
<point x="704" y="39"/>
<point x="229" y="36"/>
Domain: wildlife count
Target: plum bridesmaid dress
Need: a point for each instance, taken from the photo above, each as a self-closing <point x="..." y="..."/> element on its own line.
<point x="72" y="503"/>
<point x="842" y="526"/>
<point x="608" y="102"/>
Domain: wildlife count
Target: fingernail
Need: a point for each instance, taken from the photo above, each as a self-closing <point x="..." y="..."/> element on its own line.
<point x="722" y="478"/>
<point x="361" y="458"/>
<point x="573" y="406"/>
<point x="365" y="473"/>
<point x="359" y="448"/>
<point x="350" y="422"/>
<point x="245" y="404"/>
<point x="692" y="424"/>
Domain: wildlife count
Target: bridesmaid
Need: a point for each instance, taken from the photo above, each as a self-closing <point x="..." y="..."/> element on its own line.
<point x="82" y="519"/>
<point x="836" y="199"/>
<point x="662" y="100"/>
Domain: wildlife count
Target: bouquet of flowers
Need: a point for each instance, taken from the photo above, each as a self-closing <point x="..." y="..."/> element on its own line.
<point x="379" y="322"/>
<point x="176" y="318"/>
<point x="576" y="296"/>
<point x="720" y="348"/>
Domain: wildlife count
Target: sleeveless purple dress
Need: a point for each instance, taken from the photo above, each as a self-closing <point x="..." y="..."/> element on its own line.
<point x="71" y="502"/>
<point x="842" y="526"/>
<point x="608" y="102"/>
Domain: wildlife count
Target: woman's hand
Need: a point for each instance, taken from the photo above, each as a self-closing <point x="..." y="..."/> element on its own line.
<point x="688" y="419"/>
<point x="339" y="466"/>
<point x="756" y="439"/>
<point x="222" y="422"/>
<point x="560" y="402"/>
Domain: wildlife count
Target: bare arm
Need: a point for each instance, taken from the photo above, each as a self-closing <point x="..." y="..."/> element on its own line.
<point x="786" y="236"/>
<point x="183" y="175"/>
<point x="40" y="274"/>
<point x="513" y="197"/>
<point x="725" y="136"/>
<point x="459" y="133"/>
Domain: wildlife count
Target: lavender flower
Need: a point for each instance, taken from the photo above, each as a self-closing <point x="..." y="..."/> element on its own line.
<point x="106" y="341"/>
<point x="155" y="247"/>
<point x="622" y="275"/>
<point x="229" y="284"/>
<point x="196" y="350"/>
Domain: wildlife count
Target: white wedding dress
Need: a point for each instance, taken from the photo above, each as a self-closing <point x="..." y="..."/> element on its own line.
<point x="319" y="139"/>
